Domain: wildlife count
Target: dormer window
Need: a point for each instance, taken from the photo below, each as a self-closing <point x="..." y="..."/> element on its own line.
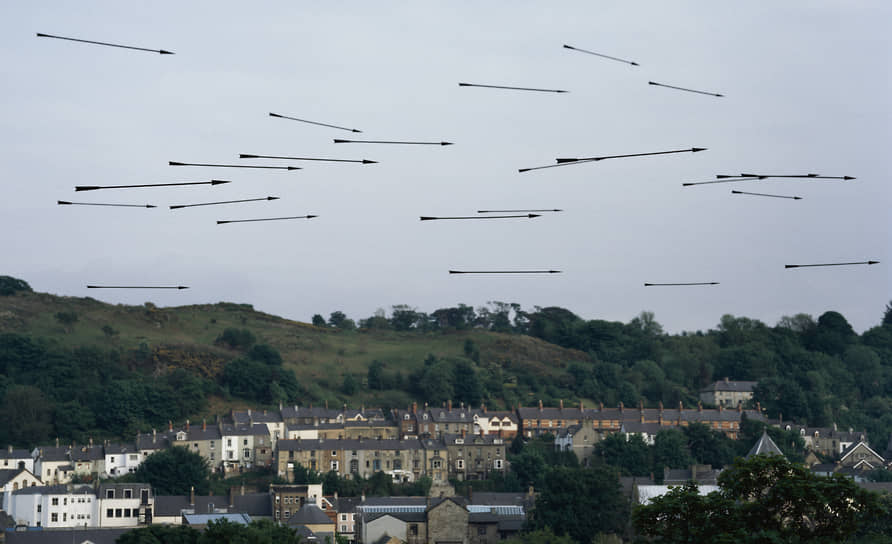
<point x="181" y="435"/>
<point x="406" y="417"/>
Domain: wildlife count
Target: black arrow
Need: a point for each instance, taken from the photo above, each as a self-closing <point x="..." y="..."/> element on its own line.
<point x="266" y="219"/>
<point x="504" y="271"/>
<point x="727" y="176"/>
<point x="388" y="142"/>
<point x="512" y="88"/>
<point x="677" y="284"/>
<point x="95" y="187"/>
<point x="172" y="163"/>
<point x="600" y="55"/>
<point x="800" y="176"/>
<point x="729" y="180"/>
<point x="566" y="162"/>
<point x="223" y="202"/>
<point x="313" y="122"/>
<point x="161" y="51"/>
<point x="247" y="156"/>
<point x="828" y="264"/>
<point x="137" y="287"/>
<point x="529" y="216"/>
<point x="66" y="203"/>
<point x="684" y="89"/>
<point x="516" y="211"/>
<point x="763" y="194"/>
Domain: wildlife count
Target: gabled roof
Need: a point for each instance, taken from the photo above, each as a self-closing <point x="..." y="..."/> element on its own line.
<point x="730" y="386"/>
<point x="765" y="446"/>
<point x="310" y="444"/>
<point x="247" y="416"/>
<point x="66" y="536"/>
<point x="120" y="449"/>
<point x="859" y="445"/>
<point x="87" y="453"/>
<point x="309" y="514"/>
<point x="53" y="454"/>
<point x="12" y="453"/>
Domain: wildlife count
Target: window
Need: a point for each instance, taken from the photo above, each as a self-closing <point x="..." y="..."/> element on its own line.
<point x="55" y="501"/>
<point x="111" y="459"/>
<point x="228" y="442"/>
<point x="245" y="442"/>
<point x="39" y="507"/>
<point x="54" y="517"/>
<point x="376" y="465"/>
<point x="334" y="465"/>
<point x="126" y="512"/>
<point x="287" y="514"/>
<point x="354" y="466"/>
<point x="212" y="444"/>
<point x="334" y="453"/>
<point x="343" y="528"/>
<point x="413" y="529"/>
<point x="109" y="513"/>
<point x="481" y="530"/>
<point x="277" y="514"/>
<point x="133" y="457"/>
<point x="343" y="518"/>
<point x="109" y="493"/>
<point x="117" y="512"/>
<point x="128" y="493"/>
<point x="247" y="453"/>
<point x="397" y="464"/>
<point x="65" y="501"/>
<point x="460" y="464"/>
<point x="438" y="463"/>
<point x="498" y="463"/>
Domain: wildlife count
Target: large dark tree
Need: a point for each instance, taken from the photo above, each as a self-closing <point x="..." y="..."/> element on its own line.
<point x="174" y="471"/>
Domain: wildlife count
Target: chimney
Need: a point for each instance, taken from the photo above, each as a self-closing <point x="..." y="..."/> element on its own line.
<point x="739" y="407"/>
<point x="680" y="407"/>
<point x="531" y="491"/>
<point x="204" y="424"/>
<point x="414" y="407"/>
<point x="721" y="408"/>
<point x="462" y="433"/>
<point x="483" y="407"/>
<point x="281" y="406"/>
<point x="700" y="407"/>
<point x="581" y="407"/>
<point x="661" y="407"/>
<point x="170" y="425"/>
<point x="326" y="406"/>
<point x="540" y="405"/>
<point x="335" y="495"/>
<point x="10" y="448"/>
<point x="621" y="406"/>
<point x="243" y="490"/>
<point x="192" y="495"/>
<point x="600" y="406"/>
<point x="57" y="441"/>
<point x="232" y="497"/>
<point x="449" y="405"/>
<point x="154" y="436"/>
<point x="249" y="412"/>
<point x="561" y="404"/>
<point x="758" y="407"/>
<point x="187" y="424"/>
<point x="91" y="442"/>
<point x="726" y="379"/>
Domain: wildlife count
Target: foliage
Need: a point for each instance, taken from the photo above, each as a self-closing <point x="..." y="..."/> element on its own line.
<point x="240" y="339"/>
<point x="10" y="286"/>
<point x="174" y="471"/>
<point x="318" y="321"/>
<point x="66" y="319"/>
<point x="761" y="499"/>
<point x="539" y="536"/>
<point x="160" y="534"/>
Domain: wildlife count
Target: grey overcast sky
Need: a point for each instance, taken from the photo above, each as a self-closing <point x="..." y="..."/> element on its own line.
<point x="806" y="85"/>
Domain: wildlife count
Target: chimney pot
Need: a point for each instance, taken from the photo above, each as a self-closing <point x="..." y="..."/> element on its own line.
<point x="449" y="405"/>
<point x="170" y="425"/>
<point x="540" y="405"/>
<point x="204" y="424"/>
<point x="561" y="404"/>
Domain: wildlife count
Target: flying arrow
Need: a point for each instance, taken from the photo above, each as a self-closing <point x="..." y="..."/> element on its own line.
<point x="388" y="142"/>
<point x="516" y="211"/>
<point x="96" y="187"/>
<point x="763" y="194"/>
<point x="797" y="176"/>
<point x="267" y="219"/>
<point x="137" y="287"/>
<point x="161" y="51"/>
<point x="172" y="163"/>
<point x="223" y="202"/>
<point x="600" y="55"/>
<point x="67" y="203"/>
<point x="684" y="89"/>
<point x="504" y="271"/>
<point x="829" y="264"/>
<point x="566" y="162"/>
<point x="529" y="216"/>
<point x="247" y="156"/>
<point x="727" y="180"/>
<point x="313" y="122"/>
<point x="680" y="284"/>
<point x="512" y="88"/>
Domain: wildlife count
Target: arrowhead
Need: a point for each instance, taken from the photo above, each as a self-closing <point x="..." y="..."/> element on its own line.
<point x="686" y="184"/>
<point x="271" y="114"/>
<point x="524" y="169"/>
<point x="848" y="177"/>
<point x="62" y="202"/>
<point x="532" y="215"/>
<point x="39" y="35"/>
<point x="172" y="163"/>
<point x="720" y="95"/>
<point x="696" y="149"/>
<point x="86" y="188"/>
<point x="561" y="91"/>
<point x="648" y="284"/>
<point x="797" y="198"/>
<point x="446" y="143"/>
<point x="246" y="156"/>
<point x="652" y="83"/>
<point x="557" y="210"/>
<point x="219" y="181"/>
<point x="293" y="167"/>
<point x="634" y="64"/>
<point x="713" y="283"/>
<point x="177" y="207"/>
<point x="464" y="84"/>
<point x="426" y="218"/>
<point x="366" y="161"/>
<point x="337" y="141"/>
<point x="150" y="206"/>
<point x="791" y="266"/>
<point x="355" y="130"/>
<point x="311" y="216"/>
<point x="568" y="46"/>
<point x="873" y="262"/>
<point x="222" y="222"/>
<point x="181" y="287"/>
<point x="455" y="272"/>
<point x="554" y="271"/>
<point x="559" y="161"/>
<point x="272" y="198"/>
<point x="163" y="52"/>
<point x="736" y="192"/>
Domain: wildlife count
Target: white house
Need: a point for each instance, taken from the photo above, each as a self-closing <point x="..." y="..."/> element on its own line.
<point x="53" y="464"/>
<point x="121" y="459"/>
<point x="55" y="507"/>
<point x="12" y="458"/>
<point x="125" y="505"/>
<point x="13" y="480"/>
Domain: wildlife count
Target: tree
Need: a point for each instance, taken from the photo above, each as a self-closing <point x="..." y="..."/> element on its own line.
<point x="349" y="387"/>
<point x="265" y="354"/>
<point x="175" y="471"/>
<point x="632" y="456"/>
<point x="376" y="375"/>
<point x="671" y="450"/>
<point x="339" y="320"/>
<point x="27" y="416"/>
<point x="160" y="534"/>
<point x="539" y="536"/>
<point x="318" y="321"/>
<point x="764" y="499"/>
<point x="240" y="339"/>
<point x="10" y="285"/>
<point x="887" y="315"/>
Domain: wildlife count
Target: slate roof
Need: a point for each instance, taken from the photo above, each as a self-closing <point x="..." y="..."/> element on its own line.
<point x="253" y="504"/>
<point x="8" y="474"/>
<point x="257" y="429"/>
<point x="12" y="453"/>
<point x="730" y="386"/>
<point x="764" y="446"/>
<point x="309" y="514"/>
<point x="119" y="489"/>
<point x="60" y="489"/>
<point x="315" y="412"/>
<point x="345" y="505"/>
<point x="408" y="517"/>
<point x="472" y="439"/>
<point x="684" y="475"/>
<point x="502" y="498"/>
<point x="348" y="444"/>
<point x="634" y="414"/>
<point x="203" y="519"/>
<point x="87" y="453"/>
<point x="52" y="454"/>
<point x="637" y="427"/>
<point x="120" y="449"/>
<point x="246" y="416"/>
<point x="848" y="451"/>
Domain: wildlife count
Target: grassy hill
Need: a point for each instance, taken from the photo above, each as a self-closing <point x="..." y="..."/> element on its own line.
<point x="320" y="357"/>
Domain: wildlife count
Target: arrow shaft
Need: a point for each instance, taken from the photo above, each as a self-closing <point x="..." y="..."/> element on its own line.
<point x="228" y="165"/>
<point x="511" y="88"/>
<point x="135" y="287"/>
<point x="115" y="205"/>
<point x="215" y="203"/>
<point x="600" y="55"/>
<point x="91" y="188"/>
<point x="683" y="89"/>
<point x="385" y="142"/>
<point x="299" y="158"/>
<point x="763" y="194"/>
<point x="800" y="176"/>
<point x="265" y="219"/>
<point x="624" y="156"/>
<point x="40" y="35"/>
<point x="516" y="211"/>
<point x="719" y="181"/>
<point x="827" y="264"/>
<point x="315" y="123"/>
<point x="504" y="271"/>
<point x="477" y="217"/>
<point x="680" y="284"/>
